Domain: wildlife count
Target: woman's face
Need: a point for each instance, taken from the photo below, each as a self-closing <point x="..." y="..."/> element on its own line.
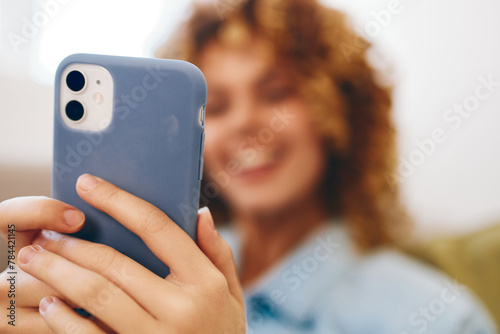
<point x="261" y="147"/>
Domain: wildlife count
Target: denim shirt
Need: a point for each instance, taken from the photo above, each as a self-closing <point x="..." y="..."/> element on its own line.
<point x="324" y="286"/>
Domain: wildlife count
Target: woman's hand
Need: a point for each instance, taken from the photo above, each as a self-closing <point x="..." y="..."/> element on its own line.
<point x="201" y="295"/>
<point x="27" y="216"/>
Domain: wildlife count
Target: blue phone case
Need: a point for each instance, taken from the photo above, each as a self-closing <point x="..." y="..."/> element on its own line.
<point x="152" y="148"/>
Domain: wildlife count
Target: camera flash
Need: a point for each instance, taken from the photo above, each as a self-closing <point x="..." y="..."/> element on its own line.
<point x="98" y="98"/>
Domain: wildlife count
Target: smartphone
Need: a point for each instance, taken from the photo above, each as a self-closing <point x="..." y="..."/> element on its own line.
<point x="139" y="124"/>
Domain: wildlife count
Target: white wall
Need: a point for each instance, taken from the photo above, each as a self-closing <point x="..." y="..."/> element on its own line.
<point x="438" y="50"/>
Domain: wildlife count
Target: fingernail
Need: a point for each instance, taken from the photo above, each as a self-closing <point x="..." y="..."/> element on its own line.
<point x="27" y="253"/>
<point x="44" y="236"/>
<point x="40" y="239"/>
<point x="205" y="211"/>
<point x="50" y="234"/>
<point x="86" y="182"/>
<point x="45" y="304"/>
<point x="73" y="217"/>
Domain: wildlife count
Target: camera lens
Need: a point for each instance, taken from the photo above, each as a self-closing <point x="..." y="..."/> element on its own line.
<point x="75" y="81"/>
<point x="74" y="110"/>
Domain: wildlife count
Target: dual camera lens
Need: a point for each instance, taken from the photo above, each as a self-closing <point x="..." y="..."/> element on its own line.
<point x="75" y="80"/>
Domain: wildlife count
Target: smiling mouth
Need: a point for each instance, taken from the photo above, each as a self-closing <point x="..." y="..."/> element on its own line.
<point x="256" y="164"/>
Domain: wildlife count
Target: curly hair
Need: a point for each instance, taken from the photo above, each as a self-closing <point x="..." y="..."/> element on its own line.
<point x="329" y="62"/>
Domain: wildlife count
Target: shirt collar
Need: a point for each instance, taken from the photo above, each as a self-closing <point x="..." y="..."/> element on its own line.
<point x="291" y="288"/>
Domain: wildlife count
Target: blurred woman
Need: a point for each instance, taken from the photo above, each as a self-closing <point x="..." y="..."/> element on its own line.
<point x="299" y="158"/>
<point x="300" y="150"/>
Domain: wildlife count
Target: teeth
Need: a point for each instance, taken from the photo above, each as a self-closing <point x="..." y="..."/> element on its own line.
<point x="250" y="159"/>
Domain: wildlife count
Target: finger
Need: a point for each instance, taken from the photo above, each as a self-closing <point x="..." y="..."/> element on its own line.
<point x="116" y="267"/>
<point x="62" y="319"/>
<point x="28" y="290"/>
<point x="218" y="251"/>
<point x="85" y="288"/>
<point x="26" y="320"/>
<point x="165" y="239"/>
<point x="36" y="213"/>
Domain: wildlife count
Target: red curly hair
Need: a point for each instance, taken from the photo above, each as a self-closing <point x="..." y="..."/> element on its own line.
<point x="351" y="108"/>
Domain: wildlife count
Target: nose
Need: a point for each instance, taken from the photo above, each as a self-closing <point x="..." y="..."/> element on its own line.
<point x="246" y="118"/>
